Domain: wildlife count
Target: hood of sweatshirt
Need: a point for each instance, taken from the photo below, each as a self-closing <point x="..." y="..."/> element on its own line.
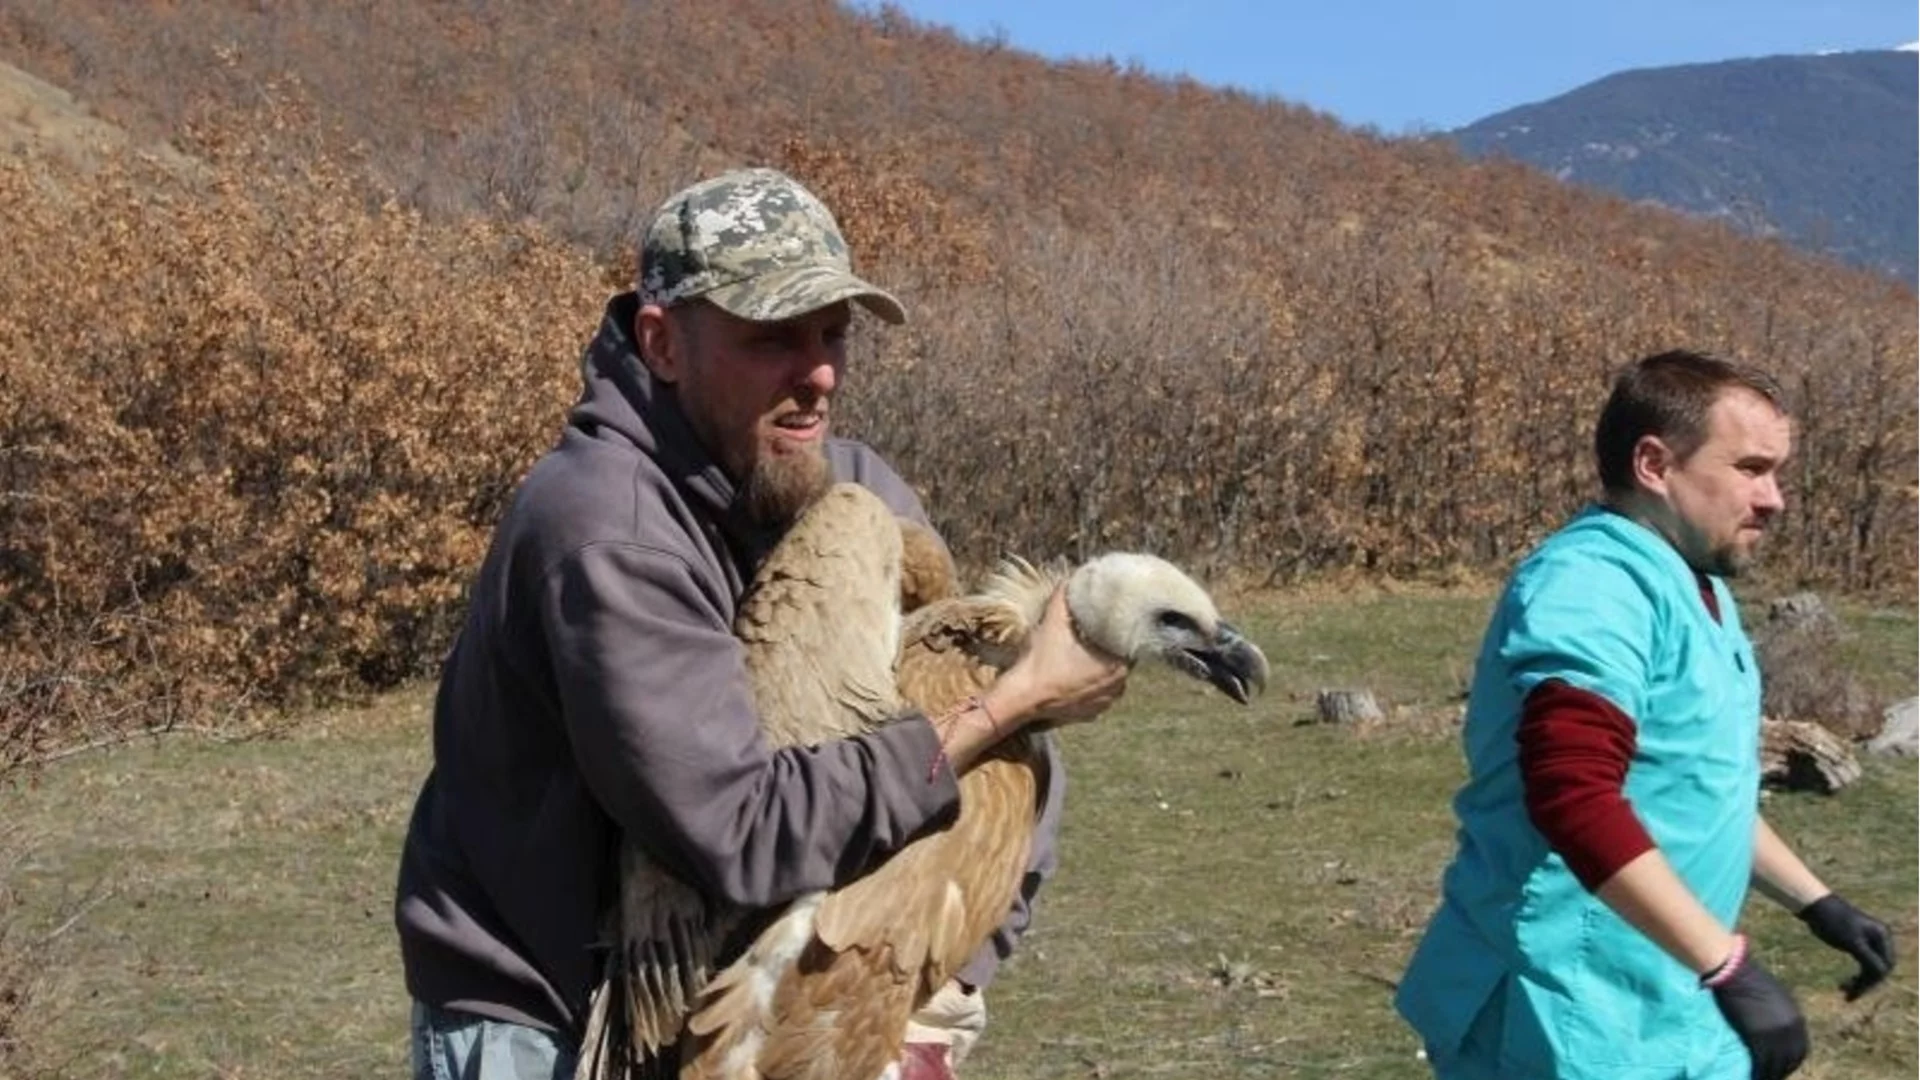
<point x="620" y="399"/>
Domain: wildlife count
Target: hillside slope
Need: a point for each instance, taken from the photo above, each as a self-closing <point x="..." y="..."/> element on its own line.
<point x="37" y="117"/>
<point x="264" y="424"/>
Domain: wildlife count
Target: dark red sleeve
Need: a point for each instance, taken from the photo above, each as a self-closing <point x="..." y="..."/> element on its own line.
<point x="1574" y="750"/>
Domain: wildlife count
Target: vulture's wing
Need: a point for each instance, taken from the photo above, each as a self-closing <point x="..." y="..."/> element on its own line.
<point x="956" y="649"/>
<point x="819" y="627"/>
<point x="847" y="971"/>
<point x="670" y="939"/>
<point x="839" y="1010"/>
<point x="927" y="572"/>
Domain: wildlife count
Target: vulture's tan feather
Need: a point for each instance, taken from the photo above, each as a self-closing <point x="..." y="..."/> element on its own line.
<point x="821" y="622"/>
<point x="926" y="570"/>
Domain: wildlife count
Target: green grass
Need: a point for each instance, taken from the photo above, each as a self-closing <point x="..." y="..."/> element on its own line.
<point x="1239" y="887"/>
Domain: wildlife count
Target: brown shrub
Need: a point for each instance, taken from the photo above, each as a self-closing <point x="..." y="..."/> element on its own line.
<point x="252" y="436"/>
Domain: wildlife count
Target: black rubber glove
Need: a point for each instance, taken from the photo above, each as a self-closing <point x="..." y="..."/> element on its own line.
<point x="1855" y="933"/>
<point x="1764" y="1015"/>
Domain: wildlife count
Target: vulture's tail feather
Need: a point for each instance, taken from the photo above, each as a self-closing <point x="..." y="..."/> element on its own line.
<point x="601" y="1054"/>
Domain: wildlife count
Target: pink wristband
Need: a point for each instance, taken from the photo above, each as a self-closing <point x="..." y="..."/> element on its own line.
<point x="1727" y="968"/>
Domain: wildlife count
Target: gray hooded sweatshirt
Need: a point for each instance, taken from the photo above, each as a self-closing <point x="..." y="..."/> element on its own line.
<point x="596" y="687"/>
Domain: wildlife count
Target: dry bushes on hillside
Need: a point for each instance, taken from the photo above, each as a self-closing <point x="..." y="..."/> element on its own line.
<point x="252" y="435"/>
<point x="1376" y="405"/>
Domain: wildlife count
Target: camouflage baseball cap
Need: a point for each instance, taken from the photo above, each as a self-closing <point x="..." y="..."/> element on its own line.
<point x="756" y="244"/>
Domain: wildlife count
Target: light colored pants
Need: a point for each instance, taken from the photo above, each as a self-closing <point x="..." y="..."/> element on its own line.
<point x="952" y="1017"/>
<point x="453" y="1045"/>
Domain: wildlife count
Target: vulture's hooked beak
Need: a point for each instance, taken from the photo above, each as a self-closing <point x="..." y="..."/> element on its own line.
<point x="1230" y="662"/>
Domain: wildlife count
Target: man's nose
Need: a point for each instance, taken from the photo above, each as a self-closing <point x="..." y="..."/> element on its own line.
<point x="819" y="367"/>
<point x="1769" y="498"/>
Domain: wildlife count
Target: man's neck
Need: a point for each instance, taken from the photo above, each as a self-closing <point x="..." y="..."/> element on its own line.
<point x="1656" y="518"/>
<point x="1645" y="511"/>
<point x="1636" y="507"/>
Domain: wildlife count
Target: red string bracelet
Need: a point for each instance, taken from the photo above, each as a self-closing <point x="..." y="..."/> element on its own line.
<point x="973" y="701"/>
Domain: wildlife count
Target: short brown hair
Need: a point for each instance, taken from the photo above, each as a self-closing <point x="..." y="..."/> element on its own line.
<point x="1667" y="395"/>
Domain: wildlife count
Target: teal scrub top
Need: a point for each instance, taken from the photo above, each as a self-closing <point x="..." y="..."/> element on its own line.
<point x="1608" y="606"/>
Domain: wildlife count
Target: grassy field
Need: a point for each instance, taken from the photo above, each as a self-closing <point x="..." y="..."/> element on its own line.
<point x="1240" y="887"/>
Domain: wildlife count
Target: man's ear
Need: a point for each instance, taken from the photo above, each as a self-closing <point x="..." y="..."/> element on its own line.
<point x="1652" y="459"/>
<point x="659" y="345"/>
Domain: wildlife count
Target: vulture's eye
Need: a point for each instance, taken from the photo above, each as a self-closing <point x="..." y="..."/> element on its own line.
<point x="1176" y="621"/>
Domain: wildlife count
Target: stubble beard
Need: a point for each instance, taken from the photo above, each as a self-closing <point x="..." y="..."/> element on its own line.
<point x="1728" y="560"/>
<point x="1731" y="561"/>
<point x="1723" y="564"/>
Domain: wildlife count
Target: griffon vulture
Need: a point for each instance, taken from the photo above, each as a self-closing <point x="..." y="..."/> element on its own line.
<point x="824" y="990"/>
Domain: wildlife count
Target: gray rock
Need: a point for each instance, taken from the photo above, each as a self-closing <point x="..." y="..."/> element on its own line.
<point x="1900" y="736"/>
<point x="1802" y="612"/>
<point x="1347" y="706"/>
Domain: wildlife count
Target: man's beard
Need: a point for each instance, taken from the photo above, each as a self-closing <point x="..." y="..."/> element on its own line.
<point x="779" y="486"/>
<point x="1728" y="562"/>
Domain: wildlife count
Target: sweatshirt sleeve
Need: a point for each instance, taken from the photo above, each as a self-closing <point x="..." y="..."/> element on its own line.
<point x="657" y="707"/>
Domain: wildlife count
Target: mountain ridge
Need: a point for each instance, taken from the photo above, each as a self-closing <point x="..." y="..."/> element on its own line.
<point x="1817" y="149"/>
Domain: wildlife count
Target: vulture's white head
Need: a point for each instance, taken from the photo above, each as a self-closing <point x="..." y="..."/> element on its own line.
<point x="1138" y="606"/>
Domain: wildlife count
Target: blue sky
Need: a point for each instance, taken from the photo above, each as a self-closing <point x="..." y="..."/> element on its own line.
<point x="1437" y="64"/>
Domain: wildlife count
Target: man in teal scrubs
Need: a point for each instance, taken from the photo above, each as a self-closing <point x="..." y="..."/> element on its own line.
<point x="1609" y="827"/>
